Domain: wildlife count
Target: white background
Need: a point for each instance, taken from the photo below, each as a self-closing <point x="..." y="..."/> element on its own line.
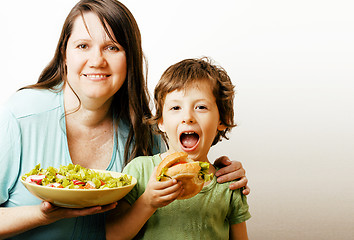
<point x="293" y="66"/>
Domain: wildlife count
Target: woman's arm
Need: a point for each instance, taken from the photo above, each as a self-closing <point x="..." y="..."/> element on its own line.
<point x="232" y="170"/>
<point x="16" y="220"/>
<point x="238" y="231"/>
<point x="126" y="221"/>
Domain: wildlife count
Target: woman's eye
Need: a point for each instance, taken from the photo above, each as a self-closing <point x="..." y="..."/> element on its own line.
<point x="82" y="46"/>
<point x="113" y="48"/>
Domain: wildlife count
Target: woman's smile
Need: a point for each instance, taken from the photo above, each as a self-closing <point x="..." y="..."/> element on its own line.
<point x="97" y="76"/>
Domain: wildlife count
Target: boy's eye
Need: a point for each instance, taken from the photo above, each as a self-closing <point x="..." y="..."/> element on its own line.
<point x="175" y="108"/>
<point x="202" y="107"/>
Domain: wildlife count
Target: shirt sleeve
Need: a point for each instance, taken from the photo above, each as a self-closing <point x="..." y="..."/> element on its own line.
<point x="131" y="170"/>
<point x="134" y="168"/>
<point x="141" y="169"/>
<point x="238" y="212"/>
<point x="10" y="153"/>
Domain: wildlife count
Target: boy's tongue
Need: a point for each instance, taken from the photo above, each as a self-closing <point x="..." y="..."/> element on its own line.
<point x="189" y="140"/>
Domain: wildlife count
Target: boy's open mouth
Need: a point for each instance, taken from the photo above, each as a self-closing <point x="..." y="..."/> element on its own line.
<point x="189" y="139"/>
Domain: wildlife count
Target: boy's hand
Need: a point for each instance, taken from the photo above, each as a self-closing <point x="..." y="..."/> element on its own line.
<point x="159" y="194"/>
<point x="232" y="170"/>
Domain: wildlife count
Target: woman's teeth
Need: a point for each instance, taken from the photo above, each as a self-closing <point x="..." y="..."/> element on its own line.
<point x="95" y="76"/>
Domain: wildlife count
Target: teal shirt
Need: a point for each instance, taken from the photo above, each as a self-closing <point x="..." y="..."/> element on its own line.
<point x="32" y="131"/>
<point x="208" y="215"/>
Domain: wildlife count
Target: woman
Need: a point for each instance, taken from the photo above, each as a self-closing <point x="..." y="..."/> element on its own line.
<point x="87" y="108"/>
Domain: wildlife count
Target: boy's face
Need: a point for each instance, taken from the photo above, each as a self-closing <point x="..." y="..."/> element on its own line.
<point x="190" y="119"/>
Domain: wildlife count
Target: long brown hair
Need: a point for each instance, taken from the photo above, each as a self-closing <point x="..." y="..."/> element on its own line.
<point x="131" y="102"/>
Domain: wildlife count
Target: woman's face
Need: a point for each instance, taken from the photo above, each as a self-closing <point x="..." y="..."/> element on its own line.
<point x="96" y="65"/>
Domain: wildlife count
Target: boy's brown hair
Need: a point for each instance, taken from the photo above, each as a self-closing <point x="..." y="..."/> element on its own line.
<point x="186" y="73"/>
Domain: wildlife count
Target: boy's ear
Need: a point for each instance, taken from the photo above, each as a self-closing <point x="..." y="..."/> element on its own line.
<point x="161" y="126"/>
<point x="221" y="127"/>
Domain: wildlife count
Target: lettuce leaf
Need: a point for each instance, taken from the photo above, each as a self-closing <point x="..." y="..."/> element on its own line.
<point x="203" y="172"/>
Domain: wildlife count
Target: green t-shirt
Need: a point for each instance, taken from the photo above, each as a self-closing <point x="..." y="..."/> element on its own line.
<point x="208" y="215"/>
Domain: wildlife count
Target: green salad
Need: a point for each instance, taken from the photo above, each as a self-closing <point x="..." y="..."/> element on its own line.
<point x="74" y="176"/>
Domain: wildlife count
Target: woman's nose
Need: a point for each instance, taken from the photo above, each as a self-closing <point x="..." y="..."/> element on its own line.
<point x="97" y="59"/>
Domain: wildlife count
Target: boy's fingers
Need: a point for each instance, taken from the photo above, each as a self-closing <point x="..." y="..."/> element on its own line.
<point x="170" y="188"/>
<point x="171" y="196"/>
<point x="160" y="185"/>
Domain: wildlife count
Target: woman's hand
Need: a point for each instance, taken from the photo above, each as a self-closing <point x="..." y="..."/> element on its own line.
<point x="229" y="171"/>
<point x="16" y="220"/>
<point x="159" y="194"/>
<point x="51" y="213"/>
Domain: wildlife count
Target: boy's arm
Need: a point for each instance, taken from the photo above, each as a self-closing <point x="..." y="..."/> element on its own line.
<point x="238" y="231"/>
<point x="126" y="221"/>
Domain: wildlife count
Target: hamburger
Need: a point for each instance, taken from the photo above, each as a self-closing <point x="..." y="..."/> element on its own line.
<point x="191" y="173"/>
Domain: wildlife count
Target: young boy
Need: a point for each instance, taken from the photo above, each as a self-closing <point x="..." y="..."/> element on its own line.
<point x="194" y="110"/>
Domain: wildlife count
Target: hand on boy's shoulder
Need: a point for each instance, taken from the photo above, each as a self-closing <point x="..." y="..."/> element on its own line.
<point x="230" y="171"/>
